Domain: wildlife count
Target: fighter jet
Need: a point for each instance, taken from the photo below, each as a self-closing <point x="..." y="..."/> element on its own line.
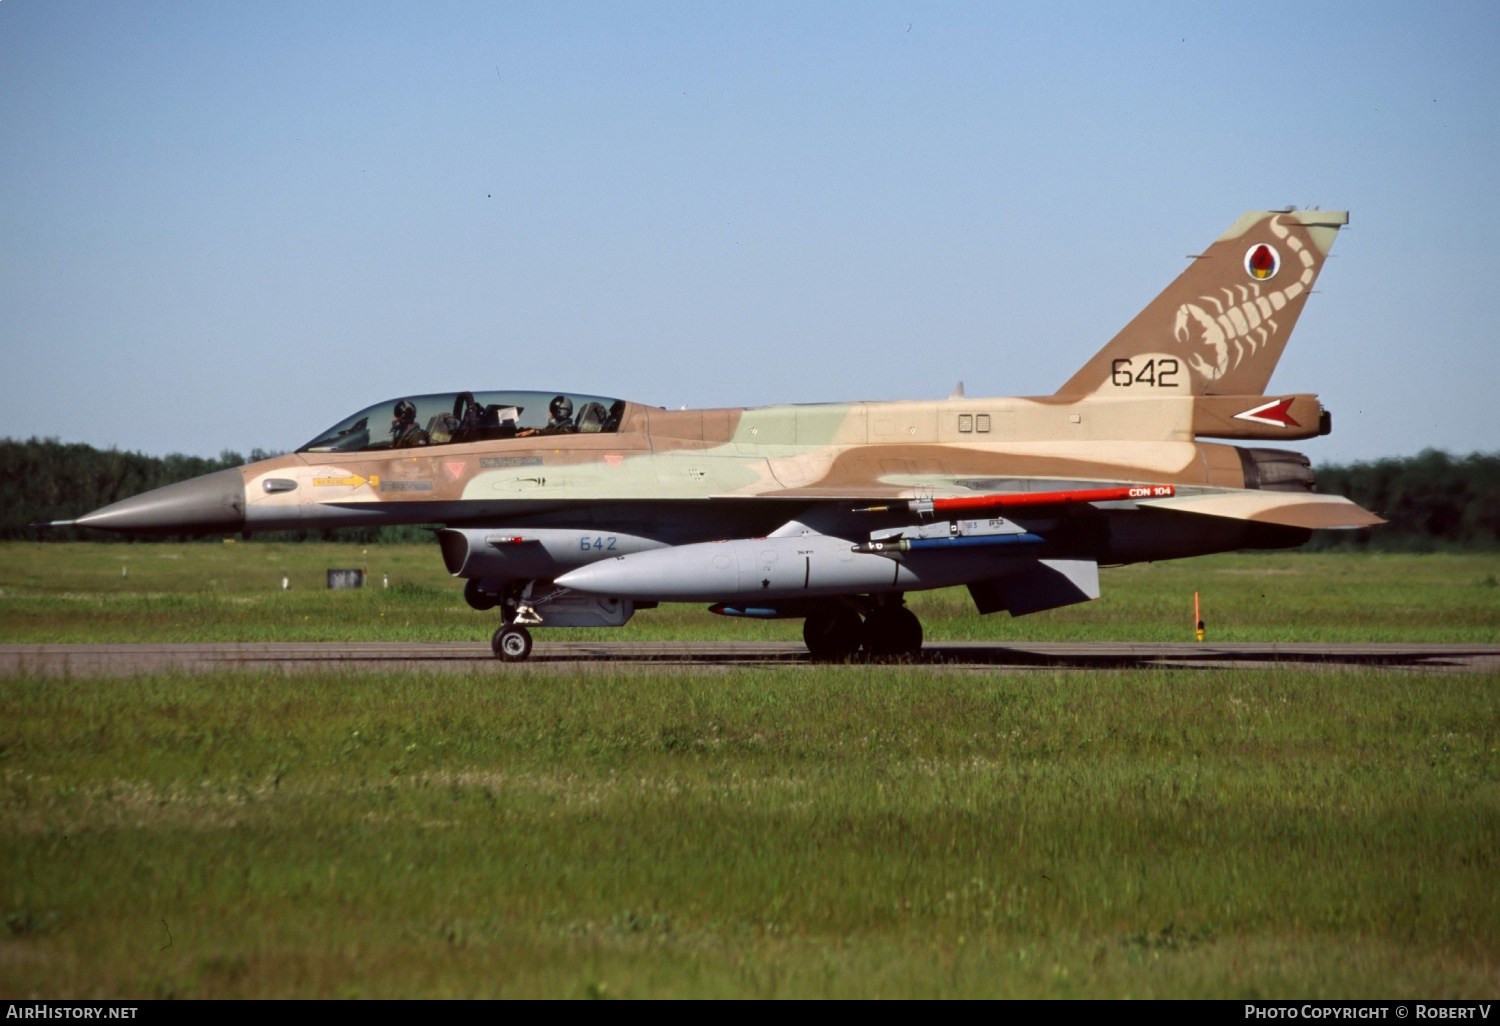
<point x="561" y="509"/>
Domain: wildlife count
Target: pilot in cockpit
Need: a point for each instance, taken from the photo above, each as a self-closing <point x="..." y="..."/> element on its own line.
<point x="560" y="417"/>
<point x="404" y="430"/>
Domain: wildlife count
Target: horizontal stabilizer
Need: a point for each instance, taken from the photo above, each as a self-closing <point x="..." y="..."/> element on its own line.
<point x="1288" y="509"/>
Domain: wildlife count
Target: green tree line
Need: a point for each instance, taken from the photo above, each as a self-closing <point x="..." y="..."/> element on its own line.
<point x="1432" y="500"/>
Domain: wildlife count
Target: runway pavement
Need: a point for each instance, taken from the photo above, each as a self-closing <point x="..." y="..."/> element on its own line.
<point x="580" y="656"/>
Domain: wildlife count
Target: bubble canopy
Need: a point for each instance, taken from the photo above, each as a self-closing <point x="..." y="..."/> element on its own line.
<point x="449" y="418"/>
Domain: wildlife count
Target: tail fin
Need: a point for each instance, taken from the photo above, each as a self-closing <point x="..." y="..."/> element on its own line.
<point x="1221" y="326"/>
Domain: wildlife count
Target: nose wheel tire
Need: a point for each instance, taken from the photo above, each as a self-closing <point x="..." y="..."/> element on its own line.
<point x="892" y="631"/>
<point x="832" y="636"/>
<point x="512" y="643"/>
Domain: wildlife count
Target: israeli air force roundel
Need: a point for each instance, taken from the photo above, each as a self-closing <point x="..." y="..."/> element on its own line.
<point x="1262" y="262"/>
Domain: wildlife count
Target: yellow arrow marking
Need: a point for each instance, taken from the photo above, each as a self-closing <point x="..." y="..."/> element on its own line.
<point x="352" y="481"/>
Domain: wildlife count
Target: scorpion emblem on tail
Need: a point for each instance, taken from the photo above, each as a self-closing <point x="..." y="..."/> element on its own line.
<point x="1244" y="319"/>
<point x="1225" y="319"/>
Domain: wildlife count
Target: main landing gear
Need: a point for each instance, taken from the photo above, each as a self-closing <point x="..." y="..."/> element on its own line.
<point x="838" y="633"/>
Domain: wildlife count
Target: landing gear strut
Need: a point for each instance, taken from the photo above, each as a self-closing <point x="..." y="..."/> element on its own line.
<point x="511" y="643"/>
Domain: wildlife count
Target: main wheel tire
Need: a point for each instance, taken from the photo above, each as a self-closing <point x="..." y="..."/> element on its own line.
<point x="832" y="635"/>
<point x="892" y="631"/>
<point x="512" y="643"/>
<point x="479" y="599"/>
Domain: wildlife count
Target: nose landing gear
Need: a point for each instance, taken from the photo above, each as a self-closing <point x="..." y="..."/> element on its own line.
<point x="511" y="643"/>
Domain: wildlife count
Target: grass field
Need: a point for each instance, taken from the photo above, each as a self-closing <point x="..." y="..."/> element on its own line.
<point x="790" y="831"/>
<point x="206" y="592"/>
<point x="803" y="831"/>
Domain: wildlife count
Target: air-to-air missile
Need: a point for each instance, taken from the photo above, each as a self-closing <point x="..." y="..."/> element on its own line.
<point x="562" y="509"/>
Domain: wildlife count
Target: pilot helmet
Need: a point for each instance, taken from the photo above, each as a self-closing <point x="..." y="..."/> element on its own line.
<point x="562" y="408"/>
<point x="406" y="412"/>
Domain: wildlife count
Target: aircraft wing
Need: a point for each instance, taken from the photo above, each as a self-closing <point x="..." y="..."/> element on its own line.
<point x="1285" y="509"/>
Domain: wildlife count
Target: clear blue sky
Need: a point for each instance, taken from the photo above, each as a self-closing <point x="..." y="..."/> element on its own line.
<point x="226" y="225"/>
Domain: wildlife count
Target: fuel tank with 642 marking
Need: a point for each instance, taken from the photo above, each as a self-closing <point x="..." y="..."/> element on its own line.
<point x="510" y="554"/>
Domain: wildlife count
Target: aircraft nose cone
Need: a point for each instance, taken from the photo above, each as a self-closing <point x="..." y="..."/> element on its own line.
<point x="209" y="504"/>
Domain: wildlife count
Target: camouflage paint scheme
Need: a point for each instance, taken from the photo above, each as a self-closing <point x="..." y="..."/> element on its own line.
<point x="845" y="451"/>
<point x="1193" y="365"/>
<point x="1097" y="428"/>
